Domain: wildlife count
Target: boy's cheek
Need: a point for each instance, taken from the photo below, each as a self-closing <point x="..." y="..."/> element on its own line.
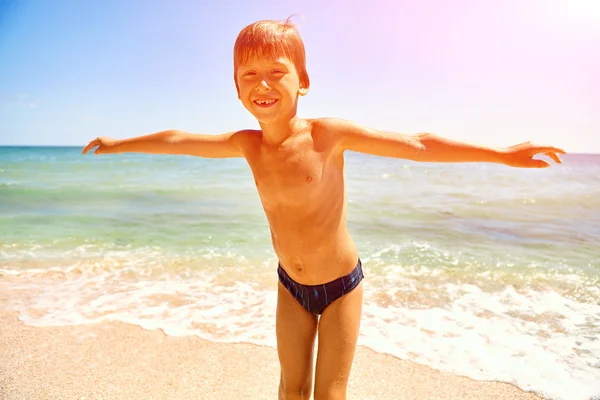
<point x="242" y="94"/>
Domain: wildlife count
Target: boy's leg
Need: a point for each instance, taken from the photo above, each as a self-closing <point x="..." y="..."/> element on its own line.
<point x="296" y="330"/>
<point x="338" y="333"/>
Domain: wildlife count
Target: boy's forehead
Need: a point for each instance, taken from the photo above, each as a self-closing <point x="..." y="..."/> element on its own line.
<point x="258" y="59"/>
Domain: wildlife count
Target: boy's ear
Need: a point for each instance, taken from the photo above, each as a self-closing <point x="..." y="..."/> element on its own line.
<point x="302" y="91"/>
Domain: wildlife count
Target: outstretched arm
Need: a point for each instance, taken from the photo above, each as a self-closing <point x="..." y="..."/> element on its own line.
<point x="173" y="142"/>
<point x="427" y="147"/>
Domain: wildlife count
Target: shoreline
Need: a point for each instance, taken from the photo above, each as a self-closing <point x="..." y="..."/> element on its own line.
<point x="113" y="360"/>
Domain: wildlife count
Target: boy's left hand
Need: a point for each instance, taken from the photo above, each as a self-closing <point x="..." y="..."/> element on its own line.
<point x="521" y="155"/>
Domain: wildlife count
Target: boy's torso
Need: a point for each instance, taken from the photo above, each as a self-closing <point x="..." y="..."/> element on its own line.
<point x="302" y="188"/>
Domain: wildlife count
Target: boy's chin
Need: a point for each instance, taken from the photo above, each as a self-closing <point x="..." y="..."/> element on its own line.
<point x="265" y="118"/>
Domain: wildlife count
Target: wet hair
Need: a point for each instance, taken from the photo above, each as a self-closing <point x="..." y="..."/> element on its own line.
<point x="271" y="39"/>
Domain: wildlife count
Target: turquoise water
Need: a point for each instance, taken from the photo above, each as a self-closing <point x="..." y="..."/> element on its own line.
<point x="478" y="269"/>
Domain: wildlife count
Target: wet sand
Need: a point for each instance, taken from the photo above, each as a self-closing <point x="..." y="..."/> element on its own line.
<point x="120" y="361"/>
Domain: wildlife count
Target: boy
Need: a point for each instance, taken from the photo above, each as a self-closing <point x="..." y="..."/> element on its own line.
<point x="298" y="168"/>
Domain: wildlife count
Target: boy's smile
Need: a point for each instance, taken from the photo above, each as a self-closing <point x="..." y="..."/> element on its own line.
<point x="265" y="102"/>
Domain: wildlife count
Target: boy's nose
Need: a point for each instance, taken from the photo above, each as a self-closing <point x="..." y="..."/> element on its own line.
<point x="262" y="85"/>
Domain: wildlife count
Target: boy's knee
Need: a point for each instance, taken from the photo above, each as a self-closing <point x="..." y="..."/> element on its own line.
<point x="330" y="393"/>
<point x="294" y="392"/>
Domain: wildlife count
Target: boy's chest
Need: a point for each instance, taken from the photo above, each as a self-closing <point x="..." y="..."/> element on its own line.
<point x="288" y="169"/>
<point x="288" y="174"/>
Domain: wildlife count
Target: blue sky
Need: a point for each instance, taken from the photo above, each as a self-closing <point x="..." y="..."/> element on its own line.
<point x="493" y="72"/>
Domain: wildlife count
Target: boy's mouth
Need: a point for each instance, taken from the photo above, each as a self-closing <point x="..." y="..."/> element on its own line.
<point x="265" y="102"/>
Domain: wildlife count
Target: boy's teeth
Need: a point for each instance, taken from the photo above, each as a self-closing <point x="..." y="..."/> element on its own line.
<point x="265" y="101"/>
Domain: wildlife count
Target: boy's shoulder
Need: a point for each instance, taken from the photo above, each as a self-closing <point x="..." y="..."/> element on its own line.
<point x="329" y="132"/>
<point x="247" y="135"/>
<point x="333" y="125"/>
<point x="245" y="139"/>
<point x="334" y="128"/>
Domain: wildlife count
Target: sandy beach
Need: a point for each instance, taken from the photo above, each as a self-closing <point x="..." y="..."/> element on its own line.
<point x="120" y="361"/>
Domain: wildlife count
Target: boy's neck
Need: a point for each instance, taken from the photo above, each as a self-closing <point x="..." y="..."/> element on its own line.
<point x="276" y="132"/>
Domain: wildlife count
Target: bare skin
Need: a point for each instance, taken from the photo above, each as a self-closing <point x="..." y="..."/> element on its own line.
<point x="298" y="168"/>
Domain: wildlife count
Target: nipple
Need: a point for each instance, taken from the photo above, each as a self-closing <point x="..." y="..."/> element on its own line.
<point x="308" y="179"/>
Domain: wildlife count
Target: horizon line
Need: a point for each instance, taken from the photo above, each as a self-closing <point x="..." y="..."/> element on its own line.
<point x="596" y="152"/>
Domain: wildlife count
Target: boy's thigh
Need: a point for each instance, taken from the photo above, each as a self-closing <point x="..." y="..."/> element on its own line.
<point x="338" y="332"/>
<point x="296" y="329"/>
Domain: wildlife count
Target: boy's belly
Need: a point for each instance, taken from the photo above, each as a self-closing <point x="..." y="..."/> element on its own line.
<point x="313" y="254"/>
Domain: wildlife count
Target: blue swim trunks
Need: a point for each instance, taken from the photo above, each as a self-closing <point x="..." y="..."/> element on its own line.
<point x="315" y="298"/>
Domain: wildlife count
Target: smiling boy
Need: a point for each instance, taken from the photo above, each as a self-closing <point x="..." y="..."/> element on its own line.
<point x="298" y="168"/>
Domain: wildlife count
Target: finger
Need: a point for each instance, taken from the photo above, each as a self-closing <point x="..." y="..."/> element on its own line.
<point x="559" y="150"/>
<point x="90" y="145"/>
<point x="555" y="157"/>
<point x="539" y="164"/>
<point x="548" y="149"/>
<point x="97" y="151"/>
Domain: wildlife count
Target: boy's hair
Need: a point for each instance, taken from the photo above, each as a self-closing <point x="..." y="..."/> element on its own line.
<point x="271" y="39"/>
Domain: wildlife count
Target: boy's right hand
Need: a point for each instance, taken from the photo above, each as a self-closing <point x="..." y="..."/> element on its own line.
<point x="105" y="145"/>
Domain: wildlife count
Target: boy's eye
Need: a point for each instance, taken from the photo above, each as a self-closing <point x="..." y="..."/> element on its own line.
<point x="277" y="71"/>
<point x="250" y="74"/>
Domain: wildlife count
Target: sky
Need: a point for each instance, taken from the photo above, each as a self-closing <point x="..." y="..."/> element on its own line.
<point x="495" y="72"/>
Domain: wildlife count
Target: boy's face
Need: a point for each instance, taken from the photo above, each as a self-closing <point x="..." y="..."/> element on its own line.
<point x="269" y="88"/>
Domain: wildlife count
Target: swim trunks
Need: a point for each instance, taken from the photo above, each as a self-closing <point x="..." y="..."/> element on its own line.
<point x="315" y="298"/>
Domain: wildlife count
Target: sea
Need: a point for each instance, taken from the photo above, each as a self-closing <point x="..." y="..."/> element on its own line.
<point x="481" y="270"/>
